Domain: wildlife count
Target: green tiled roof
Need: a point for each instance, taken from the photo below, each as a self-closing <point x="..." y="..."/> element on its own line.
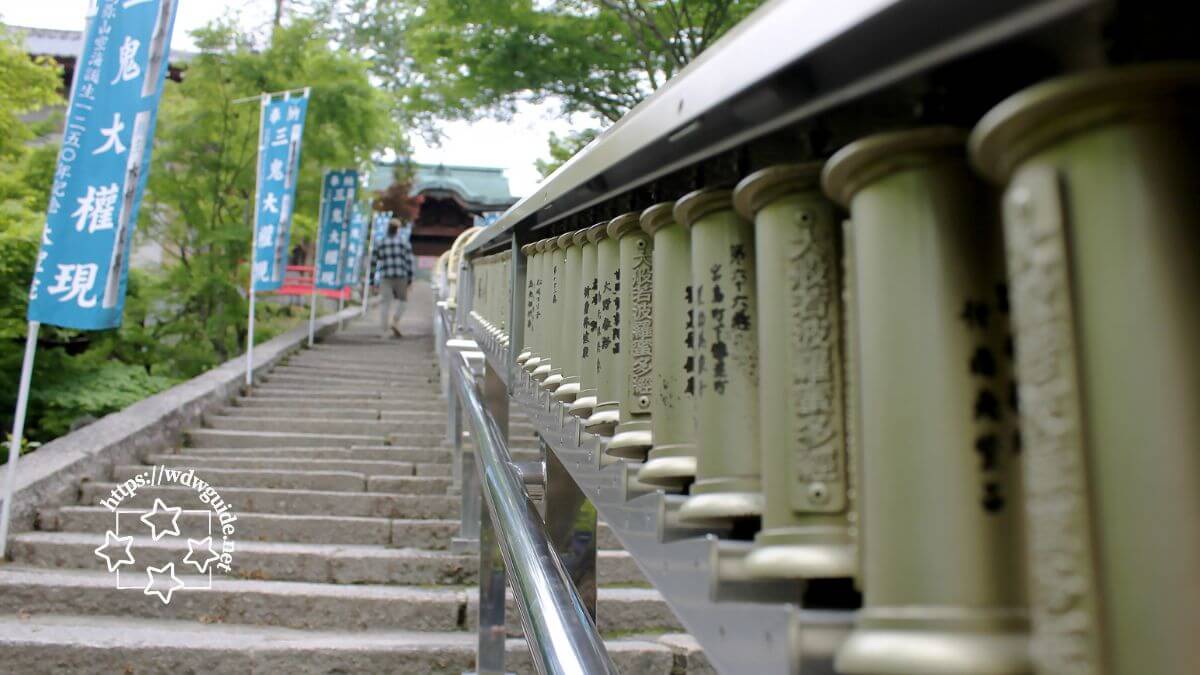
<point x="478" y="186"/>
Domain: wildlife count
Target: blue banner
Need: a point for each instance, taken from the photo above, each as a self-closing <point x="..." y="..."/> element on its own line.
<point x="355" y="245"/>
<point x="278" y="172"/>
<point x="79" y="281"/>
<point x="337" y="196"/>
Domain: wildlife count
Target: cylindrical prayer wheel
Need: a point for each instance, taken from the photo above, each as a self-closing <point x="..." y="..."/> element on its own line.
<point x="569" y="326"/>
<point x="635" y="367"/>
<point x="526" y="351"/>
<point x="1102" y="227"/>
<point x="671" y="463"/>
<point x="550" y="373"/>
<point x="728" y="468"/>
<point x="943" y="578"/>
<point x="533" y="309"/>
<point x="589" y="321"/>
<point x="545" y="326"/>
<point x="606" y="414"/>
<point x="802" y="395"/>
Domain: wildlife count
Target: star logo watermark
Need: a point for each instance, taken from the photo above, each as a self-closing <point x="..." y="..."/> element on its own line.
<point x="160" y="548"/>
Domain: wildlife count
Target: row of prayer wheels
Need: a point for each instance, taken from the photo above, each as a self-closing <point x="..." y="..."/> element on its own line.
<point x="838" y="350"/>
<point x="491" y="295"/>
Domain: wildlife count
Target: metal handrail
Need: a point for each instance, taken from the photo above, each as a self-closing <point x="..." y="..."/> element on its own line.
<point x="561" y="634"/>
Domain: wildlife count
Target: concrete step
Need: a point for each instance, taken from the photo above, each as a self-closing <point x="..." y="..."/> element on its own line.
<point x="409" y="485"/>
<point x="371" y="453"/>
<point x="627" y="610"/>
<point x="307" y="425"/>
<point x="223" y="438"/>
<point x="320" y="382"/>
<point x="291" y="502"/>
<point x="319" y="366"/>
<point x="269" y="420"/>
<point x="293" y="412"/>
<point x="427" y="407"/>
<point x="285" y="604"/>
<point x="316" y="529"/>
<point x="275" y="561"/>
<point x="338" y="373"/>
<point x="366" y="467"/>
<point x="88" y="644"/>
<point x="406" y="396"/>
<point x="287" y="561"/>
<point x="275" y="479"/>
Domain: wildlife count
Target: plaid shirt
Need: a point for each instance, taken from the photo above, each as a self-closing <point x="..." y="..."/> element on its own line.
<point x="393" y="257"/>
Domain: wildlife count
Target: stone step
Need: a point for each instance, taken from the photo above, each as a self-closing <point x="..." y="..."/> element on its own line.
<point x="292" y="412"/>
<point x="316" y="529"/>
<point x="285" y="604"/>
<point x="293" y="502"/>
<point x="341" y="481"/>
<point x="287" y="561"/>
<point x="272" y="419"/>
<point x="367" y="467"/>
<point x="422" y="408"/>
<point x="224" y="438"/>
<point x="373" y="453"/>
<point x="319" y="366"/>
<point x="406" y="396"/>
<point x="318" y="382"/>
<point x="298" y="604"/>
<point x="88" y="644"/>
<point x="275" y="561"/>
<point x="339" y="373"/>
<point x="409" y="485"/>
<point x="307" y="425"/>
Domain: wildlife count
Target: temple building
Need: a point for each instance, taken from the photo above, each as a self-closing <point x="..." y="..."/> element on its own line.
<point x="452" y="198"/>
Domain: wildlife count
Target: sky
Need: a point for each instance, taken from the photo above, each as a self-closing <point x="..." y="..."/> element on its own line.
<point x="512" y="145"/>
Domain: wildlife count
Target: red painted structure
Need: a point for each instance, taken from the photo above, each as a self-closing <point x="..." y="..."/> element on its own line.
<point x="298" y="280"/>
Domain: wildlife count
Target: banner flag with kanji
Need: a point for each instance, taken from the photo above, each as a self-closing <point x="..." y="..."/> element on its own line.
<point x="278" y="173"/>
<point x="337" y="197"/>
<point x="80" y="275"/>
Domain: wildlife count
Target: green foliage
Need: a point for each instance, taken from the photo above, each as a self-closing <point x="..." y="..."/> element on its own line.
<point x="563" y="148"/>
<point x="191" y="315"/>
<point x="27" y="85"/>
<point x="199" y="200"/>
<point x="459" y="59"/>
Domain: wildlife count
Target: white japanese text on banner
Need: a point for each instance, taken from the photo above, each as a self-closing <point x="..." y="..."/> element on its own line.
<point x="279" y="171"/>
<point x="79" y="281"/>
<point x="337" y="197"/>
<point x="355" y="245"/>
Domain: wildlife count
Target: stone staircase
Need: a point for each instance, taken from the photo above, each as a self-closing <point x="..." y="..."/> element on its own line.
<point x="335" y="467"/>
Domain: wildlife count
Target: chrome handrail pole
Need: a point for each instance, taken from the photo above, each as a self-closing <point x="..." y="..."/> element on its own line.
<point x="562" y="635"/>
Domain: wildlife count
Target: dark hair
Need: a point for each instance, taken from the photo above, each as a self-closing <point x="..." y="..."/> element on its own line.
<point x="393" y="227"/>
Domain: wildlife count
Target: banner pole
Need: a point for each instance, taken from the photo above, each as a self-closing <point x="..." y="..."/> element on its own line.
<point x="312" y="298"/>
<point x="367" y="273"/>
<point x="18" y="432"/>
<point x="262" y="111"/>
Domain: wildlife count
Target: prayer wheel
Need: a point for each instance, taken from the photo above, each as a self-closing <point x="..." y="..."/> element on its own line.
<point x="942" y="575"/>
<point x="1102" y="228"/>
<point x="533" y="308"/>
<point x="569" y="326"/>
<point x="553" y="321"/>
<point x="728" y="484"/>
<point x="635" y="362"/>
<point x="544" y="318"/>
<point x="671" y="462"/>
<point x="589" y="320"/>
<point x="606" y="414"/>
<point x="526" y="352"/>
<point x="802" y="394"/>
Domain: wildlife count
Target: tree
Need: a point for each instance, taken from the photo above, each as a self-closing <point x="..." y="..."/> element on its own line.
<point x="565" y="147"/>
<point x="453" y="59"/>
<point x="202" y="183"/>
